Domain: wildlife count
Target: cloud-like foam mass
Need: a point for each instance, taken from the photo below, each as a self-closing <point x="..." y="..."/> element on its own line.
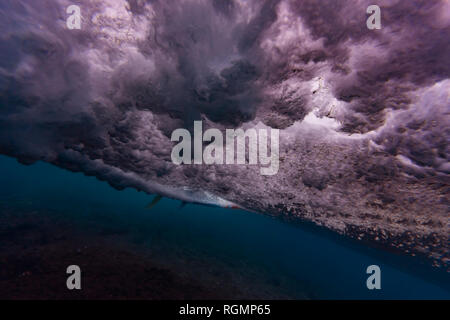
<point x="363" y="114"/>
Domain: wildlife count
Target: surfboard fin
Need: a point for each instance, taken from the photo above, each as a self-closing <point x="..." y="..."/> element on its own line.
<point x="183" y="204"/>
<point x="154" y="202"/>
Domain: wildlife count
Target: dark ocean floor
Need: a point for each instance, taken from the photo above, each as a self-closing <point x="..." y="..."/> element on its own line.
<point x="38" y="246"/>
<point x="51" y="218"/>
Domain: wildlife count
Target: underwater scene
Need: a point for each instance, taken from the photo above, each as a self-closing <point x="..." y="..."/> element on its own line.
<point x="173" y="150"/>
<point x="51" y="218"/>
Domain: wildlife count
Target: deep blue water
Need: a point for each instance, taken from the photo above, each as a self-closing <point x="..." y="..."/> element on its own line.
<point x="331" y="266"/>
